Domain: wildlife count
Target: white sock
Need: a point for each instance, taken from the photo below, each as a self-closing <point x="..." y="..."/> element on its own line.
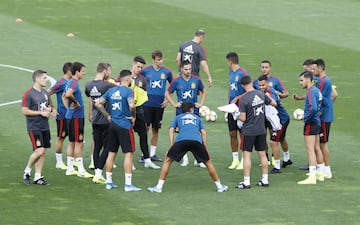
<point x="327" y="170"/>
<point x="320" y="168"/>
<point x="79" y="161"/>
<point x="235" y="155"/>
<point x="98" y="173"/>
<point x="312" y="171"/>
<point x="59" y="160"/>
<point x="265" y="177"/>
<point x="277" y="164"/>
<point x="109" y="177"/>
<point x="160" y="184"/>
<point x="152" y="150"/>
<point x="246" y="180"/>
<point x="128" y="177"/>
<point x="286" y="156"/>
<point x="37" y="176"/>
<point x="27" y="170"/>
<point x="70" y="163"/>
<point x="185" y="158"/>
<point x="218" y="184"/>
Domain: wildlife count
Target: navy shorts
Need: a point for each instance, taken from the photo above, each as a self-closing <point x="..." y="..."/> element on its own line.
<point x="325" y="132"/>
<point x="279" y="136"/>
<point x="311" y="129"/>
<point x="62" y="128"/>
<point x="40" y="138"/>
<point x="75" y="129"/>
<point x="232" y="124"/>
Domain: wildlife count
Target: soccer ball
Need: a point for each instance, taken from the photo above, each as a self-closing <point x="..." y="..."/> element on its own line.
<point x="204" y="110"/>
<point x="211" y="116"/>
<point x="298" y="114"/>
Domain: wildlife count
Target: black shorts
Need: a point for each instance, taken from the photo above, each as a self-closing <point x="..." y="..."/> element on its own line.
<point x="75" y="129"/>
<point x="62" y="128"/>
<point x="279" y="136"/>
<point x="153" y="116"/>
<point x="311" y="129"/>
<point x="119" y="136"/>
<point x="179" y="149"/>
<point x="40" y="138"/>
<point x="232" y="124"/>
<point x="248" y="142"/>
<point x="325" y="132"/>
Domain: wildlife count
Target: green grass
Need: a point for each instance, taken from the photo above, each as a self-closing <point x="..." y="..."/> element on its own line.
<point x="116" y="31"/>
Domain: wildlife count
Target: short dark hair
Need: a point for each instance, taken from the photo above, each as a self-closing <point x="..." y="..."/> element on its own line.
<point x="233" y="57"/>
<point x="245" y="80"/>
<point x="265" y="61"/>
<point x="308" y="62"/>
<point x="139" y="59"/>
<point x="156" y="53"/>
<point x="307" y="74"/>
<point x="320" y="63"/>
<point x="199" y="32"/>
<point x="124" y="73"/>
<point x="37" y="73"/>
<point x="101" y="67"/>
<point x="186" y="106"/>
<point x="67" y="67"/>
<point x="262" y="77"/>
<point x="76" y="67"/>
<point x="184" y="63"/>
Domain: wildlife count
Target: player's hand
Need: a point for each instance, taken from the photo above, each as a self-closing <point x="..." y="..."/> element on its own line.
<point x="198" y="105"/>
<point x="109" y="118"/>
<point x="45" y="113"/>
<point x="295" y="97"/>
<point x="74" y="105"/>
<point x="133" y="120"/>
<point x="178" y="105"/>
<point x="164" y="103"/>
<point x="54" y="113"/>
<point x="210" y="82"/>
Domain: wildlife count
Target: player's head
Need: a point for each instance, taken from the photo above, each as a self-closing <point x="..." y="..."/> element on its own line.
<point x="109" y="70"/>
<point x="102" y="69"/>
<point x="232" y="58"/>
<point x="157" y="57"/>
<point x="245" y="80"/>
<point x="308" y="65"/>
<point x="186" y="68"/>
<point x="305" y="79"/>
<point x="263" y="82"/>
<point x="78" y="69"/>
<point x="125" y="77"/>
<point x="40" y="77"/>
<point x="200" y="35"/>
<point x="320" y="64"/>
<point x="67" y="67"/>
<point x="187" y="107"/>
<point x="265" y="67"/>
<point x="138" y="65"/>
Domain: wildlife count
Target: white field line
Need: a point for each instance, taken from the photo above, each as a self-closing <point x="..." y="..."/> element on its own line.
<point x="51" y="79"/>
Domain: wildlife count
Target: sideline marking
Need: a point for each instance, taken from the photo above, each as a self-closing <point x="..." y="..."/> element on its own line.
<point x="51" y="79"/>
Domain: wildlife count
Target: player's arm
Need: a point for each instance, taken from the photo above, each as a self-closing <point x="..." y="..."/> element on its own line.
<point x="28" y="112"/>
<point x="168" y="97"/>
<point x="242" y="116"/>
<point x="100" y="106"/>
<point x="297" y="97"/>
<point x="132" y="108"/>
<point x="202" y="100"/>
<point x="269" y="100"/>
<point x="90" y="109"/>
<point x="206" y="70"/>
<point x="204" y="137"/>
<point x="69" y="95"/>
<point x="53" y="111"/>
<point x="178" y="60"/>
<point x="334" y="94"/>
<point x="284" y="94"/>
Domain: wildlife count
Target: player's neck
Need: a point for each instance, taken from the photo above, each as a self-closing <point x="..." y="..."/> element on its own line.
<point x="37" y="87"/>
<point x="235" y="67"/>
<point x="99" y="76"/>
<point x="157" y="68"/>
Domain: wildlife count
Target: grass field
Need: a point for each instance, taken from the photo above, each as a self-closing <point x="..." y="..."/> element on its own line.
<point x="285" y="32"/>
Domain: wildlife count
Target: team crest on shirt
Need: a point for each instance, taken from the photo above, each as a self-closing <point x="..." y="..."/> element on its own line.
<point x="270" y="83"/>
<point x="193" y="85"/>
<point x="237" y="78"/>
<point x="38" y="143"/>
<point x="162" y="76"/>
